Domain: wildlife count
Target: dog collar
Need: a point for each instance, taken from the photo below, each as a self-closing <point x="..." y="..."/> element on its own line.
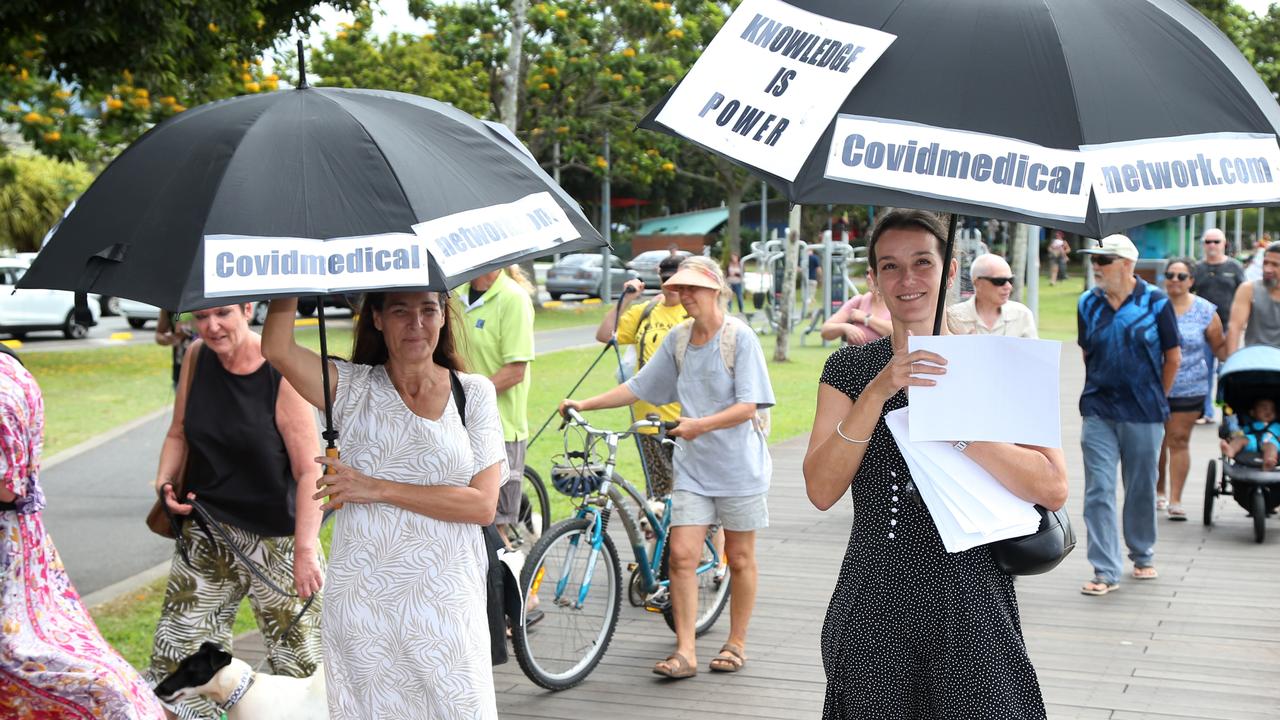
<point x="242" y="688"/>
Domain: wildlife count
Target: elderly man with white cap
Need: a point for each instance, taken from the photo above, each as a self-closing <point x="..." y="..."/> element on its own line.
<point x="990" y="311"/>
<point x="1129" y="334"/>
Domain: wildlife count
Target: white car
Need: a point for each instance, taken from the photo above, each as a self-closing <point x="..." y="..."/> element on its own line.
<point x="138" y="314"/>
<point x="27" y="311"/>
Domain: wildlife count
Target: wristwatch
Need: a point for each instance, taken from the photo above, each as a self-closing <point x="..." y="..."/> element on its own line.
<point x="866" y="319"/>
<point x="960" y="445"/>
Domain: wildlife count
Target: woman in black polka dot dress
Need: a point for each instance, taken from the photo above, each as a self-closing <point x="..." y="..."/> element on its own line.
<point x="912" y="630"/>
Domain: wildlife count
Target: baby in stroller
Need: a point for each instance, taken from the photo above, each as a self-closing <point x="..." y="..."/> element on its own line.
<point x="1258" y="432"/>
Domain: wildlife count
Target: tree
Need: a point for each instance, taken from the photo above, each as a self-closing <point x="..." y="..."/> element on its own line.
<point x="83" y="79"/>
<point x="34" y="192"/>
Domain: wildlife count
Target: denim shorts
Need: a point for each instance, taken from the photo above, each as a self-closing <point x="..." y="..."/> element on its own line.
<point x="739" y="514"/>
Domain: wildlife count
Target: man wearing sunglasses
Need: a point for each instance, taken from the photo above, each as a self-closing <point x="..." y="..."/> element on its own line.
<point x="1129" y="334"/>
<point x="1216" y="280"/>
<point x="990" y="311"/>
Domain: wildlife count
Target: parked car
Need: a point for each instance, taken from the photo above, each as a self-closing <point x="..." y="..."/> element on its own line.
<point x="107" y="305"/>
<point x="307" y="304"/>
<point x="580" y="273"/>
<point x="645" y="266"/>
<point x="29" y="310"/>
<point x="138" y="314"/>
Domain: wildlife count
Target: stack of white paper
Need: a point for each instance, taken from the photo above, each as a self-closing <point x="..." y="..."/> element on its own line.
<point x="969" y="506"/>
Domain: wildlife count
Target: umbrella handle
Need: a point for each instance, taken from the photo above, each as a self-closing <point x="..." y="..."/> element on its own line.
<point x="332" y="452"/>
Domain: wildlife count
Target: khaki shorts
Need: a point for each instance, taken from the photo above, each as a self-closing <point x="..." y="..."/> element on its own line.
<point x="509" y="494"/>
<point x="738" y="514"/>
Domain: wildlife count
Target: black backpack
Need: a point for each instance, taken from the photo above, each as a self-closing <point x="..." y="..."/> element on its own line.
<point x="502" y="589"/>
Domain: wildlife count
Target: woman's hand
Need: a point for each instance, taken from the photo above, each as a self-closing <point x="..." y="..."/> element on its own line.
<point x="567" y="404"/>
<point x="904" y="371"/>
<point x="171" y="500"/>
<point x="689" y="428"/>
<point x="345" y="485"/>
<point x="307" y="576"/>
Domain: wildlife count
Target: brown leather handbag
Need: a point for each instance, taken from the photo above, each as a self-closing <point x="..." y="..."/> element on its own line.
<point x="159" y="519"/>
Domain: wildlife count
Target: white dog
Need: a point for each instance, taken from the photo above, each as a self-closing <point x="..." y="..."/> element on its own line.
<point x="240" y="692"/>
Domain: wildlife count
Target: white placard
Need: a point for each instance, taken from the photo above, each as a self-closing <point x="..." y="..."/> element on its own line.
<point x="1222" y="169"/>
<point x="246" y="265"/>
<point x="957" y="165"/>
<point x="473" y="238"/>
<point x="768" y="84"/>
<point x="998" y="389"/>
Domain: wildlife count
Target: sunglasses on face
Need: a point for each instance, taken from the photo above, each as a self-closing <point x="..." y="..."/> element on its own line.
<point x="1177" y="276"/>
<point x="998" y="281"/>
<point x="1212" y="242"/>
<point x="1102" y="260"/>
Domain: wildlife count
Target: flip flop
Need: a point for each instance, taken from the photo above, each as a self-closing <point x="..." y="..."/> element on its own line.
<point x="1162" y="503"/>
<point x="1098" y="587"/>
<point x="730" y="659"/>
<point x="1177" y="513"/>
<point x="1146" y="572"/>
<point x="676" y="667"/>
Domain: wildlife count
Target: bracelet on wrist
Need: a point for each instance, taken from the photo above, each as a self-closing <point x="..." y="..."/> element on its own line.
<point x="840" y="432"/>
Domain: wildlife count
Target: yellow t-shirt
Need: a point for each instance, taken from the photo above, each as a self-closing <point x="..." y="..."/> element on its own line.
<point x="655" y="328"/>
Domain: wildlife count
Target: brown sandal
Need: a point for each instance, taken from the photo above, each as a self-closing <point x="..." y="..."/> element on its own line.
<point x="676" y="667"/>
<point x="730" y="659"/>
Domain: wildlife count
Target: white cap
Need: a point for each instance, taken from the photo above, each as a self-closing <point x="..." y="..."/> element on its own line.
<point x="1117" y="245"/>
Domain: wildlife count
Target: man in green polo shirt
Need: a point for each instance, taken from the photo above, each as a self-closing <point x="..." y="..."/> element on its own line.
<point x="497" y="323"/>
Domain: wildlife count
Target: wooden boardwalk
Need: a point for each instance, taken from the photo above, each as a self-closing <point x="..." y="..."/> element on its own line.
<point x="1202" y="641"/>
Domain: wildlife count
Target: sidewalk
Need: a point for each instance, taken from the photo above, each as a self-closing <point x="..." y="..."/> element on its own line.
<point x="1202" y="641"/>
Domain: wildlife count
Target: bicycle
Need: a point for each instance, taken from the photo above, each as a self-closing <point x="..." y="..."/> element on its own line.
<point x="535" y="511"/>
<point x="577" y="556"/>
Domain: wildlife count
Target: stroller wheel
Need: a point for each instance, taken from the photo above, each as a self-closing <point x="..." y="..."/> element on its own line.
<point x="1210" y="491"/>
<point x="1259" y="513"/>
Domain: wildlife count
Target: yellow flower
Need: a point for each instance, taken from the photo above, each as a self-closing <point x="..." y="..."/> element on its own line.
<point x="14" y="108"/>
<point x="23" y="74"/>
<point x="661" y="6"/>
<point x="178" y="108"/>
<point x="261" y="22"/>
<point x="651" y="152"/>
<point x="38" y="37"/>
<point x="628" y="52"/>
<point x="114" y="104"/>
<point x="57" y="111"/>
<point x="617" y="77"/>
<point x="270" y="84"/>
<point x="429" y="36"/>
<point x="257" y="61"/>
<point x="52" y="136"/>
<point x="252" y="87"/>
<point x="142" y="93"/>
<point x="140" y="102"/>
<point x="601" y="162"/>
<point x="552" y="71"/>
<point x="61" y="94"/>
<point x="246" y="78"/>
<point x="668" y="167"/>
<point x="213" y="27"/>
<point x="356" y="25"/>
<point x="562" y="14"/>
<point x="272" y="78"/>
<point x="536" y="131"/>
<point x="562" y="130"/>
<point x="128" y="76"/>
<point x="168" y="100"/>
<point x="342" y="36"/>
<point x="675" y="33"/>
<point x="544" y="86"/>
<point x="32" y="118"/>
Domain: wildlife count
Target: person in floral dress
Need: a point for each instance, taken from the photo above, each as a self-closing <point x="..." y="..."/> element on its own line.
<point x="54" y="664"/>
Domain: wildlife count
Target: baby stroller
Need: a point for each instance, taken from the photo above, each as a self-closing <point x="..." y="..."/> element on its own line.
<point x="1248" y="375"/>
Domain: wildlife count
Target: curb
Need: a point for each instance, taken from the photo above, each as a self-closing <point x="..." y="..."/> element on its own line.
<point x="103" y="438"/>
<point x="131" y="584"/>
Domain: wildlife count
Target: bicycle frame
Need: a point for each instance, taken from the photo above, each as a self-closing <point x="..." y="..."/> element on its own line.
<point x="599" y="507"/>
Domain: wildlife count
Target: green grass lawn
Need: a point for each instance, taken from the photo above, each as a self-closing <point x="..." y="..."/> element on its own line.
<point x="553" y="315"/>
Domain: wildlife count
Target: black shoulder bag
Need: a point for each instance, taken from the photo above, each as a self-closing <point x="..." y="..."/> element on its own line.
<point x="1039" y="552"/>
<point x="501" y="589"/>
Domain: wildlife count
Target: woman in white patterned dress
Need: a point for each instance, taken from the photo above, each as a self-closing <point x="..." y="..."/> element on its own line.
<point x="404" y="625"/>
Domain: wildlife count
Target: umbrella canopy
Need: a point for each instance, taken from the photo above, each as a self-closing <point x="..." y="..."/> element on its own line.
<point x="308" y="191"/>
<point x="1087" y="115"/>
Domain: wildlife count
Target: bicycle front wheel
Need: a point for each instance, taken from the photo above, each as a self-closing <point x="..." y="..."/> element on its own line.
<point x="535" y="511"/>
<point x="578" y="591"/>
<point x="713" y="586"/>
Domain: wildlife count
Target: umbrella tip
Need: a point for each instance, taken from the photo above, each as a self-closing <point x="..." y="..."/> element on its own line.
<point x="302" y="65"/>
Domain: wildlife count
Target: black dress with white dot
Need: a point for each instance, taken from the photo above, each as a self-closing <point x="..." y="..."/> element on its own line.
<point x="912" y="630"/>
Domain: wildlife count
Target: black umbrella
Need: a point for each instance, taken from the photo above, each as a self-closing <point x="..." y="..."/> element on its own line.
<point x="1061" y="75"/>
<point x="285" y="170"/>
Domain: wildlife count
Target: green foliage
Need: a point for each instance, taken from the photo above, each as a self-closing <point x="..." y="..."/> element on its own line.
<point x="34" y="191"/>
<point x="82" y="80"/>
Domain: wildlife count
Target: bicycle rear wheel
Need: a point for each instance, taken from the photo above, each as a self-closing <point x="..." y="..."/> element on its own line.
<point x="535" y="511"/>
<point x="562" y="648"/>
<point x="713" y="587"/>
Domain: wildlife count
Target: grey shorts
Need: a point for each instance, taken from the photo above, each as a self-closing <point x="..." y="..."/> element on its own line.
<point x="739" y="514"/>
<point x="509" y="494"/>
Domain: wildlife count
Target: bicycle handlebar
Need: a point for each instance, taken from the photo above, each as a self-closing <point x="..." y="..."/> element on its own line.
<point x="574" y="416"/>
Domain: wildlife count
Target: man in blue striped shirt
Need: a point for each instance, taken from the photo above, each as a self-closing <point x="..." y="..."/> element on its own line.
<point x="1129" y="334"/>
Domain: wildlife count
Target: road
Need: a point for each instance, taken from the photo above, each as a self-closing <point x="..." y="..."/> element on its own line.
<point x="97" y="499"/>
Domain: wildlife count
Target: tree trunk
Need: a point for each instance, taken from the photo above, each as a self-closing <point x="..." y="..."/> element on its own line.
<point x="1018" y="260"/>
<point x="733" y="231"/>
<point x="511" y="75"/>
<point x="782" y="351"/>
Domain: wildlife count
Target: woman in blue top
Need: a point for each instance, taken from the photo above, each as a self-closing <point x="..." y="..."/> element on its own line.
<point x="1201" y="333"/>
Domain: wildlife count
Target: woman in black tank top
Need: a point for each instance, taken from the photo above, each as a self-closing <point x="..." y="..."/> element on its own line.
<point x="248" y="440"/>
